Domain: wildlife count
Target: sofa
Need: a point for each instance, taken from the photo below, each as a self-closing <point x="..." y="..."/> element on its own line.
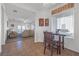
<point x="28" y="33"/>
<point x="13" y="34"/>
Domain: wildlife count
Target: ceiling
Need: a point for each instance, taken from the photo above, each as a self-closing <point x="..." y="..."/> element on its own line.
<point x="36" y="6"/>
<point x="20" y="13"/>
<point x="23" y="11"/>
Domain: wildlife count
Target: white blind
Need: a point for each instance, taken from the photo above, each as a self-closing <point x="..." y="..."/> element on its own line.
<point x="66" y="23"/>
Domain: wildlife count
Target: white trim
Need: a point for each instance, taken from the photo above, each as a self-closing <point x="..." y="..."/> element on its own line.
<point x="0" y="28"/>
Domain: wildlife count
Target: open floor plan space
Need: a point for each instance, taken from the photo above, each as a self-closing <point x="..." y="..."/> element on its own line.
<point x="39" y="29"/>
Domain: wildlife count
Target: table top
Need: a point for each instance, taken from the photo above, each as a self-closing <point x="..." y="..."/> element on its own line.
<point x="59" y="34"/>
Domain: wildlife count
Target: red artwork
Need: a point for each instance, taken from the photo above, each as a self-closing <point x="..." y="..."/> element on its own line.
<point x="46" y="22"/>
<point x="41" y="22"/>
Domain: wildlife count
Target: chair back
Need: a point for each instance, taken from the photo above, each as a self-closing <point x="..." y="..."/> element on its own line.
<point x="48" y="37"/>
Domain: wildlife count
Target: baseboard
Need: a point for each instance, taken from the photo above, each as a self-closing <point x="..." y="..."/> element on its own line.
<point x="72" y="50"/>
<point x="3" y="43"/>
<point x="0" y="50"/>
<point x="38" y="41"/>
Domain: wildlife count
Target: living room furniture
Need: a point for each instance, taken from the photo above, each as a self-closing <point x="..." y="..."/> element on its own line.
<point x="28" y="33"/>
<point x="13" y="34"/>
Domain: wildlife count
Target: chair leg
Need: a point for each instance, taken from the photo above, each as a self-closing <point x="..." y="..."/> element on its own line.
<point x="51" y="50"/>
<point x="44" y="49"/>
<point x="48" y="46"/>
<point x="63" y="42"/>
<point x="57" y="50"/>
<point x="63" y="45"/>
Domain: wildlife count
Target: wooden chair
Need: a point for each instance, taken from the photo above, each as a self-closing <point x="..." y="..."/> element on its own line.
<point x="50" y="43"/>
<point x="47" y="41"/>
<point x="62" y="37"/>
<point x="57" y="43"/>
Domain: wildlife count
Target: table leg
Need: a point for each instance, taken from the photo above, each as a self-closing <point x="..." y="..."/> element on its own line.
<point x="63" y="42"/>
<point x="59" y="44"/>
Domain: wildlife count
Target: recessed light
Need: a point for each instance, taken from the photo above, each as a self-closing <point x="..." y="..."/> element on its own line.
<point x="15" y="11"/>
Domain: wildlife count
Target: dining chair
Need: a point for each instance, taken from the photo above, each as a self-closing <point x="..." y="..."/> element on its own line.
<point x="47" y="41"/>
<point x="50" y="43"/>
<point x="62" y="31"/>
<point x="57" y="43"/>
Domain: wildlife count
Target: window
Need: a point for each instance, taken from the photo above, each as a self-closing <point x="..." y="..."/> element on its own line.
<point x="27" y="27"/>
<point x="66" y="23"/>
<point x="19" y="29"/>
<point x="32" y="27"/>
<point x="23" y="28"/>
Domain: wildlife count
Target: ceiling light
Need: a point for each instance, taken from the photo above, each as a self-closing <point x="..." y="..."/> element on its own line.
<point x="15" y="11"/>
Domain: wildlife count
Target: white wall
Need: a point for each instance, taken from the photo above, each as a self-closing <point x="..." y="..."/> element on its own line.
<point x="4" y="25"/>
<point x="72" y="44"/>
<point x="53" y="24"/>
<point x="2" y="22"/>
<point x="0" y="27"/>
<point x="39" y="36"/>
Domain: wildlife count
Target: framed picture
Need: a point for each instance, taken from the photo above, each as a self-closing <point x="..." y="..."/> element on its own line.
<point x="41" y="21"/>
<point x="47" y="22"/>
<point x="12" y="25"/>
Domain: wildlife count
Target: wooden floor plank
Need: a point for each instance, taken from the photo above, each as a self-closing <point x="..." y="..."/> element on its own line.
<point x="27" y="47"/>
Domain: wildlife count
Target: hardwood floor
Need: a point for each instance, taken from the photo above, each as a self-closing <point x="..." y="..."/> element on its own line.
<point x="27" y="47"/>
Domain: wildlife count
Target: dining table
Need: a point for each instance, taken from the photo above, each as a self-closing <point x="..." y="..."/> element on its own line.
<point x="61" y="36"/>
